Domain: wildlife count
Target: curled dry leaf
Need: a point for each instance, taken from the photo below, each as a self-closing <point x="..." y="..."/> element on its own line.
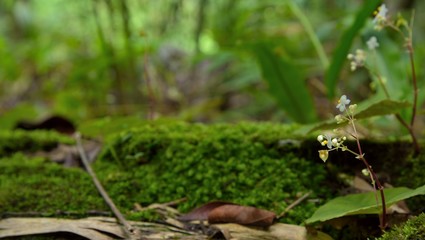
<point x="244" y="215"/>
<point x="224" y="212"/>
<point x="57" y="123"/>
<point x="68" y="156"/>
<point x="201" y="213"/>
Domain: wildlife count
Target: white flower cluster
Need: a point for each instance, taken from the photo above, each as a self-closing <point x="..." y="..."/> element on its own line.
<point x="337" y="143"/>
<point x="331" y="143"/>
<point x="357" y="59"/>
<point x="381" y="18"/>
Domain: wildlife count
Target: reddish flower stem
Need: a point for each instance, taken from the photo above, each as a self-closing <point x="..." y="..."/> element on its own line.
<point x="382" y="219"/>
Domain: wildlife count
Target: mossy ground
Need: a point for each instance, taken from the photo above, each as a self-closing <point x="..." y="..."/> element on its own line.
<point x="258" y="164"/>
<point x="248" y="164"/>
<point x="413" y="229"/>
<point x="239" y="163"/>
<point x="36" y="185"/>
<point x="30" y="141"/>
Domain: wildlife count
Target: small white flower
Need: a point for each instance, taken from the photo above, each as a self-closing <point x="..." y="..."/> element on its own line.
<point x="372" y="43"/>
<point x="326" y="140"/>
<point x="320" y="138"/>
<point x="365" y="172"/>
<point x="352" y="108"/>
<point x="339" y="119"/>
<point x="357" y="60"/>
<point x="335" y="142"/>
<point x="380" y="17"/>
<point x="342" y="103"/>
<point x="360" y="56"/>
<point x="381" y="14"/>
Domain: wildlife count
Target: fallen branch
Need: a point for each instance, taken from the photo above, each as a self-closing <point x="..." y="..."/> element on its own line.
<point x="294" y="204"/>
<point x="131" y="232"/>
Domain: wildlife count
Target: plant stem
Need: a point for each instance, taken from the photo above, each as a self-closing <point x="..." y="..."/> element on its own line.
<point x="415" y="94"/>
<point x="375" y="179"/>
<point x="382" y="219"/>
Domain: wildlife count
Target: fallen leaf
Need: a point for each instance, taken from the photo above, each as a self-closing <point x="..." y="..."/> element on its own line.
<point x="68" y="155"/>
<point x="225" y="212"/>
<point x="362" y="185"/>
<point x="87" y="228"/>
<point x="93" y="228"/>
<point x="201" y="213"/>
<point x="56" y="123"/>
<point x="277" y="231"/>
<point x="244" y="215"/>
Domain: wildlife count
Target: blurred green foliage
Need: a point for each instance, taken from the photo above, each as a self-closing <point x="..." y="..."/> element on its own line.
<point x="194" y="60"/>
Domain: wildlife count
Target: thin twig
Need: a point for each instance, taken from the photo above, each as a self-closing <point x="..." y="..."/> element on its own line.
<point x="131" y="232"/>
<point x="294" y="204"/>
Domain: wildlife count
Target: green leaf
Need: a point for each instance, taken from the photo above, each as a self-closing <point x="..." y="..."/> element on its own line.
<point x="286" y="84"/>
<point x="363" y="203"/>
<point x="384" y="107"/>
<point x="340" y="54"/>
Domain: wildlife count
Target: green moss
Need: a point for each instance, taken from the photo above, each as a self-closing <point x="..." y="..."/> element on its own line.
<point x="30" y="141"/>
<point x="242" y="163"/>
<point x="148" y="215"/>
<point x="34" y="185"/>
<point x="250" y="164"/>
<point x="411" y="230"/>
<point x="412" y="176"/>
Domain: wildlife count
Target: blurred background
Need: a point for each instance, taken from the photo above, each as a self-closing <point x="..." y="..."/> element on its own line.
<point x="194" y="60"/>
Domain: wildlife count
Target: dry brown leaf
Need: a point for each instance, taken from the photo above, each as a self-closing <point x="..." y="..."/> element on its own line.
<point x="225" y="212"/>
<point x="99" y="228"/>
<point x="89" y="228"/>
<point x="201" y="213"/>
<point x="68" y="156"/>
<point x="57" y="123"/>
<point x="244" y="215"/>
<point x="362" y="185"/>
<point x="277" y="231"/>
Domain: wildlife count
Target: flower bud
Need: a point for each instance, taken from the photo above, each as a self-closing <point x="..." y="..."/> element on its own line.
<point x="335" y="142"/>
<point x="324" y="154"/>
<point x="339" y="118"/>
<point x="352" y="108"/>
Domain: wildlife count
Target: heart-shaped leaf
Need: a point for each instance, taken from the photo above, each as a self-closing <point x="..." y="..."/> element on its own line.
<point x="384" y="107"/>
<point x="363" y="203"/>
<point x="381" y="108"/>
